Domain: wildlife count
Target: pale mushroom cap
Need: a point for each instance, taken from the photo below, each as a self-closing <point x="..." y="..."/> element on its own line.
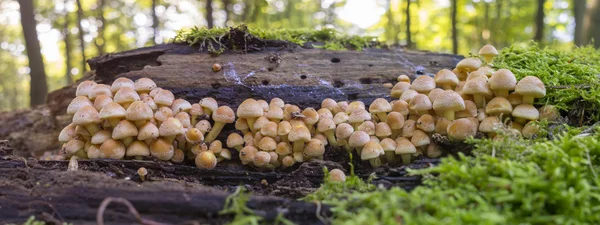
<point x="526" y="111"/>
<point x="531" y="86"/>
<point x="488" y="50"/>
<point x="84" y="88"/>
<point x="371" y="150"/>
<point x="314" y="148"/>
<point x="247" y="154"/>
<point x="477" y="86"/>
<point x="469" y="111"/>
<point x="426" y="123"/>
<point x="299" y="133"/>
<point x="225" y="154"/>
<point x="241" y="124"/>
<point x="170" y="127"/>
<point x="261" y="158"/>
<point x="435" y="93"/>
<point x="336" y="175"/>
<point x="267" y="144"/>
<point x="112" y="149"/>
<point x="164" y="97"/>
<point x="441" y="125"/>
<point x="368" y="127"/>
<point x="358" y="139"/>
<point x="549" y="112"/>
<point x="284" y="128"/>
<point x="100" y="137"/>
<point x="277" y="102"/>
<point x="322" y="138"/>
<point x="326" y="125"/>
<point x="450" y="100"/>
<point x="420" y="138"/>
<point x="382" y="130"/>
<point x="399" y="88"/>
<point x="196" y="110"/>
<point x="139" y="110"/>
<point x="446" y="77"/>
<point x="329" y="103"/>
<point x="234" y="139"/>
<point x="340" y="117"/>
<point x="404" y="146"/>
<point x="73" y="146"/>
<point x="490" y="124"/>
<point x="101" y="101"/>
<point x="144" y="84"/>
<point x="476" y="74"/>
<point x="194" y="135"/>
<point x="515" y="98"/>
<point x="461" y="129"/>
<point x="163" y="113"/>
<point x="112" y="110"/>
<point x="137" y="148"/>
<point x="180" y="105"/>
<point x="358" y="116"/>
<point x="224" y="114"/>
<point x="409" y="128"/>
<point x="249" y="108"/>
<point x="269" y="129"/>
<point x="260" y="122"/>
<point x="395" y="120"/>
<point x="355" y="105"/>
<point x="148" y="131"/>
<point x="211" y="103"/>
<point x="283" y="148"/>
<point x="86" y="115"/>
<point x="154" y="92"/>
<point x="403" y="78"/>
<point x="325" y="113"/>
<point x="311" y="116"/>
<point x="499" y="105"/>
<point x="142" y="171"/>
<point x="206" y="160"/>
<point x="343" y="131"/>
<point x="275" y="112"/>
<point x="121" y="82"/>
<point x="486" y="70"/>
<point x="263" y="104"/>
<point x="124" y="129"/>
<point x="530" y="129"/>
<point x="400" y="106"/>
<point x="423" y="84"/>
<point x="388" y="145"/>
<point x="274" y="158"/>
<point x="216" y="146"/>
<point x="80" y="130"/>
<point x="99" y="89"/>
<point x="420" y="103"/>
<point x="408" y="95"/>
<point x="77" y="103"/>
<point x="503" y="79"/>
<point x="184" y="118"/>
<point x="469" y="64"/>
<point x="343" y="105"/>
<point x="126" y="95"/>
<point x="67" y="133"/>
<point x="380" y="105"/>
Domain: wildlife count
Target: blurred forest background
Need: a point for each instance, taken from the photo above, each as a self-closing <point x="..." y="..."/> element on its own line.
<point x="44" y="43"/>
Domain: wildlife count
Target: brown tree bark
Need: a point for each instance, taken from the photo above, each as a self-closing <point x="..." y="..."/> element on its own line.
<point x="209" y="14"/>
<point x="227" y="7"/>
<point x="539" y="21"/>
<point x="100" y="41"/>
<point x="80" y="33"/>
<point x="155" y="22"/>
<point x="409" y="43"/>
<point x="454" y="30"/>
<point x="68" y="46"/>
<point x="38" y="87"/>
<point x="578" y="14"/>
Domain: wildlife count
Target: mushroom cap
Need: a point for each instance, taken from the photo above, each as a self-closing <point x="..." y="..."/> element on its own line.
<point x="204" y="126"/>
<point x="269" y="129"/>
<point x="274" y="159"/>
<point x="408" y="95"/>
<point x="126" y="95"/>
<point x="477" y="86"/>
<point x="380" y="105"/>
<point x="469" y="64"/>
<point x="461" y="129"/>
<point x="260" y="122"/>
<point x="284" y="128"/>
<point x="139" y="110"/>
<point x="488" y="50"/>
<point x="241" y="124"/>
<point x="180" y="105"/>
<point x="498" y="105"/>
<point x="216" y="146"/>
<point x="368" y="127"/>
<point x="163" y="113"/>
<point x="247" y="154"/>
<point x="112" y="110"/>
<point x="486" y="70"/>
<point x="343" y="131"/>
<point x="322" y="138"/>
<point x="435" y="93"/>
<point x="299" y="133"/>
<point x="358" y="139"/>
<point x="275" y="112"/>
<point x="515" y="98"/>
<point x="426" y="123"/>
<point x="340" y="117"/>
<point x="193" y="135"/>
<point x="403" y="78"/>
<point x="250" y="108"/>
<point x="263" y="104"/>
<point x="112" y="149"/>
<point x="355" y="105"/>
<point x="383" y="130"/>
<point x="162" y="149"/>
<point x="400" y="106"/>
<point x="441" y="125"/>
<point x="84" y="88"/>
<point x="461" y="74"/>
<point x="144" y="85"/>
<point x="359" y="116"/>
<point x="450" y="100"/>
<point x="223" y="114"/>
<point x="137" y="148"/>
<point x="164" y="97"/>
<point x="283" y="148"/>
<point x="503" y="79"/>
<point x="124" y="129"/>
<point x="267" y="144"/>
<point x="420" y="138"/>
<point x="100" y="137"/>
<point x="121" y="82"/>
<point x="288" y="110"/>
<point x="67" y="133"/>
<point x="101" y="101"/>
<point x="423" y="84"/>
<point x="86" y="115"/>
<point x="314" y="148"/>
<point x="409" y="128"/>
<point x="490" y="124"/>
<point x="142" y="171"/>
<point x="399" y="88"/>
<point x="371" y="150"/>
<point x="234" y="139"/>
<point x="311" y="116"/>
<point x="395" y="120"/>
<point x="277" y="102"/>
<point x="329" y="103"/>
<point x="99" y="89"/>
<point x="154" y="92"/>
<point x="184" y="118"/>
<point x="549" y="112"/>
<point x="420" y="103"/>
<point x="336" y="175"/>
<point x="170" y="127"/>
<point x="530" y="129"/>
<point x="147" y="131"/>
<point x="206" y="160"/>
<point x="404" y="146"/>
<point x="531" y="86"/>
<point x="388" y="145"/>
<point x="326" y="125"/>
<point x="324" y="113"/>
<point x="196" y="110"/>
<point x="469" y="111"/>
<point x="73" y="146"/>
<point x="342" y="106"/>
<point x="526" y="111"/>
<point x="77" y="103"/>
<point x="476" y="74"/>
<point x="446" y="77"/>
<point x="261" y="159"/>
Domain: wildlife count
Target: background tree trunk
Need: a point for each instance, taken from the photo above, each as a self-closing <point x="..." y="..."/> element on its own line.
<point x="408" y="34"/>
<point x="578" y="13"/>
<point x="100" y="40"/>
<point x="209" y="12"/>
<point x="155" y="22"/>
<point x="81" y="41"/>
<point x="68" y="46"/>
<point x="594" y="23"/>
<point x="227" y="7"/>
<point x="390" y="28"/>
<point x="539" y="21"/>
<point x="454" y="30"/>
<point x="38" y="87"/>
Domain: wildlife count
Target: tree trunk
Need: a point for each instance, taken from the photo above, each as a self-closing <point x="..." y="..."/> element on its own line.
<point x="454" y="30"/>
<point x="390" y="28"/>
<point x="578" y="13"/>
<point x="539" y="21"/>
<point x="227" y="7"/>
<point x="408" y="33"/>
<point x="595" y="23"/>
<point x="81" y="41"/>
<point x="100" y="40"/>
<point x="155" y="24"/>
<point x="588" y="21"/>
<point x="209" y="14"/>
<point x="68" y="46"/>
<point x="38" y="87"/>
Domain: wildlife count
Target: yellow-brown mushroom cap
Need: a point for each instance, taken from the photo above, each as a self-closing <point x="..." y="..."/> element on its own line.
<point x="247" y="154"/>
<point x="382" y="130"/>
<point x="277" y="102"/>
<point x="144" y="85"/>
<point x="299" y="133"/>
<point x="343" y="131"/>
<point x="358" y="116"/>
<point x="329" y="103"/>
<point x="399" y="88"/>
<point x="223" y="114"/>
<point x="531" y="86"/>
<point x="124" y="129"/>
<point x="420" y="103"/>
<point x="408" y="95"/>
<point x="209" y="103"/>
<point x="250" y="108"/>
<point x="404" y="146"/>
<point x="284" y="128"/>
<point x="100" y="137"/>
<point x="84" y="88"/>
<point x="450" y="100"/>
<point x="326" y="125"/>
<point x="193" y="135"/>
<point x="426" y="123"/>
<point x="311" y="116"/>
<point x="274" y="113"/>
<point x="77" y="103"/>
<point x="336" y="175"/>
<point x="476" y="74"/>
<point x="314" y="148"/>
<point x="67" y="133"/>
<point x="423" y="84"/>
<point x="400" y="106"/>
<point x="420" y="138"/>
<point x="395" y="120"/>
<point x="267" y="144"/>
<point x="503" y="79"/>
<point x="526" y="111"/>
<point x="358" y="139"/>
<point x="170" y="127"/>
<point x="139" y="110"/>
<point x="234" y="139"/>
<point x="99" y="89"/>
<point x="446" y="77"/>
<point x="403" y="78"/>
<point x="371" y="150"/>
<point x="469" y="64"/>
<point x="86" y="115"/>
<point x="180" y="105"/>
<point x="490" y="124"/>
<point x="469" y="111"/>
<point x="261" y="159"/>
<point x="269" y="129"/>
<point x="100" y="102"/>
<point x="126" y="95"/>
<point x="461" y="129"/>
<point x="488" y="51"/>
<point x="121" y="82"/>
<point x="368" y="127"/>
<point x="206" y="160"/>
<point x="164" y="97"/>
<point x="499" y="105"/>
<point x="340" y="117"/>
<point x="380" y="105"/>
<point x="388" y="145"/>
<point x="112" y="149"/>
<point x="148" y="131"/>
<point x="435" y="93"/>
<point x="283" y="148"/>
<point x="137" y="148"/>
<point x="477" y="86"/>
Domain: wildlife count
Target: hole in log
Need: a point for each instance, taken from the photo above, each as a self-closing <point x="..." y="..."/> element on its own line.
<point x="338" y="83"/>
<point x="335" y="60"/>
<point x="420" y="72"/>
<point x="365" y="80"/>
<point x="270" y="69"/>
<point x="215" y="85"/>
<point x="303" y="77"/>
<point x="265" y="82"/>
<point x="370" y="65"/>
<point x="353" y="96"/>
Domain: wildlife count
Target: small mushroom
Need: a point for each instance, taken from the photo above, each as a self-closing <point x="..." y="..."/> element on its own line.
<point x="488" y="52"/>
<point x="389" y="147"/>
<point x="100" y="137"/>
<point x="327" y="127"/>
<point x="164" y="98"/>
<point x="77" y="103"/>
<point x="357" y="140"/>
<point x="195" y="111"/>
<point x="368" y="127"/>
<point x="67" y="133"/>
<point x="170" y="128"/>
<point x="530" y="87"/>
<point x="287" y="161"/>
<point x="88" y="117"/>
<point x="144" y="85"/>
<point x="137" y="150"/>
<point x="549" y="112"/>
<point x="448" y="104"/>
<point x="84" y="88"/>
<point x="399" y="88"/>
<point x="461" y="129"/>
<point x="355" y="105"/>
<point x="525" y="112"/>
<point x="446" y="79"/>
<point x="267" y="144"/>
<point x="311" y="117"/>
<point x="125" y="131"/>
<point x="250" y="110"/>
<point x="383" y="130"/>
<point x="336" y="175"/>
<point x="261" y="159"/>
<point x="380" y="107"/>
<point x="403" y="78"/>
<point x="142" y="172"/>
<point x="120" y="83"/>
<point x="314" y="149"/>
<point x="112" y="149"/>
<point x="405" y="149"/>
<point x="241" y="125"/>
<point x="530" y="130"/>
<point x="502" y="81"/>
<point x="409" y="128"/>
<point x="216" y="147"/>
<point x="423" y="84"/>
<point x="479" y="88"/>
<point x="139" y="113"/>
<point x="433" y="150"/>
<point x="283" y="130"/>
<point x="489" y="126"/>
<point x="101" y="101"/>
<point x="420" y="140"/>
<point x="408" y="95"/>
<point x="469" y="111"/>
<point x="468" y="65"/>
<point x="234" y="140"/>
<point x="420" y="104"/>
<point x="426" y="123"/>
<point x="206" y="160"/>
<point x="221" y="116"/>
<point x="99" y="89"/>
<point x="125" y="96"/>
<point x="247" y="154"/>
<point x="499" y="106"/>
<point x="299" y="135"/>
<point x="275" y="113"/>
<point x="162" y="149"/>
<point x="283" y="148"/>
<point x="342" y="133"/>
<point x="178" y="156"/>
<point x="371" y="152"/>
<point x="358" y="116"/>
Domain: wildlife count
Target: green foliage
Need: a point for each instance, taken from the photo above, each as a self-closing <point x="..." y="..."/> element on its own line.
<point x="331" y="191"/>
<point x="235" y="205"/>
<point x="33" y="221"/>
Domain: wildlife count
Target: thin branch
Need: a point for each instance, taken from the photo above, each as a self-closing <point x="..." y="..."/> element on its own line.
<point x="132" y="210"/>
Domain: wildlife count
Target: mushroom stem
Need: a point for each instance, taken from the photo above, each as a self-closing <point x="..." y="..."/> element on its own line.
<point x="528" y="99"/>
<point x="479" y="101"/>
<point x="127" y="141"/>
<point x="395" y="133"/>
<point x="206" y="111"/>
<point x="311" y="129"/>
<point x="491" y="134"/>
<point x="81" y="154"/>
<point x="355" y="126"/>
<point x="375" y="162"/>
<point x="216" y="129"/>
<point x="382" y="116"/>
<point x="194" y="120"/>
<point x="250" y="122"/>
<point x="405" y="158"/>
<point x="238" y="147"/>
<point x="170" y="139"/>
<point x="181" y="144"/>
<point x="358" y="150"/>
<point x="283" y="138"/>
<point x="449" y="115"/>
<point x="92" y="128"/>
<point x="298" y="146"/>
<point x="501" y="93"/>
<point x="331" y="138"/>
<point x="488" y="58"/>
<point x="520" y="120"/>
<point x="275" y="120"/>
<point x="390" y="156"/>
<point x="447" y="87"/>
<point x="114" y="121"/>
<point x="139" y="123"/>
<point x="126" y="105"/>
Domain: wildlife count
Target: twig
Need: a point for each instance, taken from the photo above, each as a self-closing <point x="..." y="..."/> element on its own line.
<point x="132" y="210"/>
<point x="318" y="213"/>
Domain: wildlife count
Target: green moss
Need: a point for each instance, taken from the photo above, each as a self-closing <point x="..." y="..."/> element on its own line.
<point x="334" y="191"/>
<point x="33" y="221"/>
<point x="235" y="205"/>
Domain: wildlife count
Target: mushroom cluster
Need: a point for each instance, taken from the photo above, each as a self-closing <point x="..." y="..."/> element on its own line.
<point x="138" y="119"/>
